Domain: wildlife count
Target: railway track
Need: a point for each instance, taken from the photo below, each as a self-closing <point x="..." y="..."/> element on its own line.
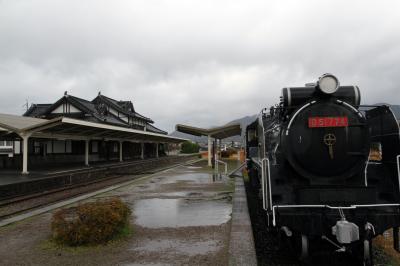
<point x="18" y="205"/>
<point x="14" y="206"/>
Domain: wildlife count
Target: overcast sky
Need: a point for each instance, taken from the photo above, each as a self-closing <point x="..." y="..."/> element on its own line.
<point x="196" y="62"/>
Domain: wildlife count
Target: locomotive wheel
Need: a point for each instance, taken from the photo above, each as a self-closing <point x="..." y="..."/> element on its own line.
<point x="301" y="247"/>
<point x="304" y="248"/>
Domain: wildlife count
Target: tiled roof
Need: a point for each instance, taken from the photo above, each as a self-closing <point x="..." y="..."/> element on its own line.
<point x="91" y="112"/>
<point x="119" y="105"/>
<point x="153" y="129"/>
<point x="36" y="110"/>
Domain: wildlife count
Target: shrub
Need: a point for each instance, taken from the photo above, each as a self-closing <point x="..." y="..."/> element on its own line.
<point x="190" y="147"/>
<point x="90" y="223"/>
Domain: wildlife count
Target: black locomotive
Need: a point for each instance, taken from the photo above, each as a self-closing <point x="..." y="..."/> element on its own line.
<point x="327" y="168"/>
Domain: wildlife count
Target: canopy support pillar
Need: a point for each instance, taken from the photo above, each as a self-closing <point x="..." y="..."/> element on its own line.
<point x="157" y="150"/>
<point x="87" y="152"/>
<point x="142" y="150"/>
<point x="120" y="151"/>
<point x="25" y="139"/>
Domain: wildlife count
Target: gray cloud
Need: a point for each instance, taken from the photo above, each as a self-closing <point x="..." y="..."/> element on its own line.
<point x="198" y="62"/>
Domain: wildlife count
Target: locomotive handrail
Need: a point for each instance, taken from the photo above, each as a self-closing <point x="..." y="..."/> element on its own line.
<point x="331" y="207"/>
<point x="224" y="163"/>
<point x="366" y="173"/>
<point x="351" y="107"/>
<point x="263" y="180"/>
<point x="295" y="114"/>
<point x="263" y="172"/>
<point x="398" y="169"/>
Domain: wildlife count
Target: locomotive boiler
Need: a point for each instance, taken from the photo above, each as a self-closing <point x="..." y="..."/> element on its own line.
<point x="327" y="168"/>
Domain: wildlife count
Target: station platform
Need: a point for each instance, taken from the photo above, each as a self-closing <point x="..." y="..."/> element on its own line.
<point x="14" y="184"/>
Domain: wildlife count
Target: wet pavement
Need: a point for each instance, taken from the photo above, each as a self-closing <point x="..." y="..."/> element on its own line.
<point x="180" y="216"/>
<point x="157" y="213"/>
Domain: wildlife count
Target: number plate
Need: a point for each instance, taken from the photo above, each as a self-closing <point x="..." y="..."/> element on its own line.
<point x="341" y="121"/>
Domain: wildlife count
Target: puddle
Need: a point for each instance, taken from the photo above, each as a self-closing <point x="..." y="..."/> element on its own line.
<point x="157" y="213"/>
<point x="177" y="194"/>
<point x="177" y="246"/>
<point x="195" y="194"/>
<point x="174" y="194"/>
<point x="146" y="264"/>
<point x="199" y="178"/>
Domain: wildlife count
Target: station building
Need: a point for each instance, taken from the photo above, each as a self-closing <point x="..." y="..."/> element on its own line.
<point x="74" y="130"/>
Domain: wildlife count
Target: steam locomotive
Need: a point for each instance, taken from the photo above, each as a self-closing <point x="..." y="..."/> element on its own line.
<point x="327" y="168"/>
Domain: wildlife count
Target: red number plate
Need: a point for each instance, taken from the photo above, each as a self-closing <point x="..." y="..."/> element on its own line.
<point x="341" y="121"/>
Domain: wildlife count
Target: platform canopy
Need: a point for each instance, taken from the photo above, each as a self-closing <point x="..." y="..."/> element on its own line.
<point x="70" y="128"/>
<point x="221" y="132"/>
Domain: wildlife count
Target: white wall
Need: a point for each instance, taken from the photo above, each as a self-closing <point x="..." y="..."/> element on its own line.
<point x="67" y="107"/>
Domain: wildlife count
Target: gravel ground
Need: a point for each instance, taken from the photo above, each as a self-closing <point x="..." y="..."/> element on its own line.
<point x="179" y="217"/>
<point x="271" y="253"/>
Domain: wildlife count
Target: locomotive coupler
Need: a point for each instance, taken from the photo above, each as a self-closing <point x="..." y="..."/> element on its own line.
<point x="345" y="232"/>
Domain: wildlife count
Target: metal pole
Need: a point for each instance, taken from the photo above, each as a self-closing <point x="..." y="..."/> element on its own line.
<point x="216" y="149"/>
<point x="209" y="150"/>
<point x="142" y="151"/>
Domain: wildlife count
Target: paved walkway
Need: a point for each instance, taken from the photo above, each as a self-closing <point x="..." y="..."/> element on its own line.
<point x="241" y="248"/>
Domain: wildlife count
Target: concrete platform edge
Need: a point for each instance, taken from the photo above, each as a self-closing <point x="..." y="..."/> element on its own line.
<point x="241" y="247"/>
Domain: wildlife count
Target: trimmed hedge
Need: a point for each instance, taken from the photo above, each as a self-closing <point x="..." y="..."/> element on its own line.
<point x="190" y="147"/>
<point x="90" y="223"/>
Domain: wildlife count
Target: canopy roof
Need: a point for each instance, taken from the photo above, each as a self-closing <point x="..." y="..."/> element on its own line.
<point x="17" y="123"/>
<point x="70" y="128"/>
<point x="215" y="132"/>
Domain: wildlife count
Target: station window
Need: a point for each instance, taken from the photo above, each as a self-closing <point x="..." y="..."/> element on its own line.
<point x="36" y="147"/>
<point x="95" y="148"/>
<point x="7" y="143"/>
<point x="49" y="147"/>
<point x="59" y="146"/>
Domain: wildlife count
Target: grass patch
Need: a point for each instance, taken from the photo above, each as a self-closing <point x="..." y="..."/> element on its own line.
<point x="245" y="173"/>
<point x="384" y="252"/>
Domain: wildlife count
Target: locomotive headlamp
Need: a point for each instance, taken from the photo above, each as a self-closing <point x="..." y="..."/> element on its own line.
<point x="328" y="83"/>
